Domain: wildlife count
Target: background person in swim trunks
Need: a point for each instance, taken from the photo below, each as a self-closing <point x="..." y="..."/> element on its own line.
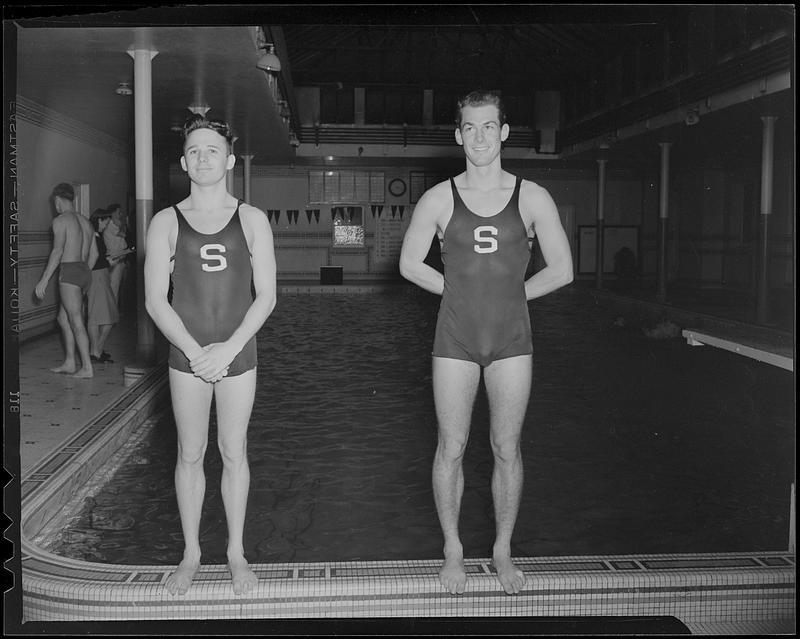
<point x="483" y="218"/>
<point x="73" y="253"/>
<point x="214" y="247"/>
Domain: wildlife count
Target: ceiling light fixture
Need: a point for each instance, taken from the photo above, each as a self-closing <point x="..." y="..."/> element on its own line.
<point x="199" y="109"/>
<point x="123" y="88"/>
<point x="269" y="61"/>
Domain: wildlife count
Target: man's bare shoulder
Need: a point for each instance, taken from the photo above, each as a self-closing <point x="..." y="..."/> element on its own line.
<point x="533" y="195"/>
<point x="253" y="218"/>
<point x="531" y="188"/>
<point x="248" y="211"/>
<point x="164" y="218"/>
<point x="436" y="197"/>
<point x="84" y="222"/>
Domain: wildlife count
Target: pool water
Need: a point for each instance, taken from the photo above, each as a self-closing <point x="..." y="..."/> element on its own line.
<point x="630" y="445"/>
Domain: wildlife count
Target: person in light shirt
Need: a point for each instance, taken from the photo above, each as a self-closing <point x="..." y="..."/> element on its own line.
<point x="116" y="247"/>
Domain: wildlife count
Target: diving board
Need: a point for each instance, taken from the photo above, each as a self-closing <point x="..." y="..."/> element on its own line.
<point x="775" y="355"/>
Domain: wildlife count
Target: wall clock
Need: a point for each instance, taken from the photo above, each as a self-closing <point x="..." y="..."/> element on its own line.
<point x="397" y="187"/>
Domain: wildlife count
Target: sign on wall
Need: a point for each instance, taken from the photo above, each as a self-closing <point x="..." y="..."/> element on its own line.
<point x="388" y="238"/>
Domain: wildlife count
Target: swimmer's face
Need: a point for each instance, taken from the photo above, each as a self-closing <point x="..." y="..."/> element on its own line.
<point x="481" y="133"/>
<point x="206" y="156"/>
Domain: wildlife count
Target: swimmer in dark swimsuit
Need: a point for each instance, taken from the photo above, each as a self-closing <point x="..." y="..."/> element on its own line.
<point x="74" y="251"/>
<point x="483" y="219"/>
<point x="214" y="248"/>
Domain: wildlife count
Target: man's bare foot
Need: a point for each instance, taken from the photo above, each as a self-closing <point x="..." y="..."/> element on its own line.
<point x="180" y="580"/>
<point x="452" y="575"/>
<point x="242" y="578"/>
<point x="67" y="367"/>
<point x="84" y="373"/>
<point x="511" y="578"/>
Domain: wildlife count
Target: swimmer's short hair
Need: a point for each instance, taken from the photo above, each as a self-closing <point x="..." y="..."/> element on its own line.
<point x="480" y="98"/>
<point x="198" y="121"/>
<point x="64" y="191"/>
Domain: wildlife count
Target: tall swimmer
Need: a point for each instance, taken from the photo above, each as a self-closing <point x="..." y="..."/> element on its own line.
<point x="483" y="218"/>
<point x="73" y="253"/>
<point x="214" y="247"/>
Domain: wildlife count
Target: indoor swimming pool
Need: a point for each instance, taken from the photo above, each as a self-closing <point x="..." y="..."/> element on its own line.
<point x="631" y="444"/>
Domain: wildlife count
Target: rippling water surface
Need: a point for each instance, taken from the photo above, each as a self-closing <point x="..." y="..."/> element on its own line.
<point x="631" y="445"/>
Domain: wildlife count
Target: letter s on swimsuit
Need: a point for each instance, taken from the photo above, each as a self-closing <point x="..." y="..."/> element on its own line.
<point x="482" y="240"/>
<point x="221" y="264"/>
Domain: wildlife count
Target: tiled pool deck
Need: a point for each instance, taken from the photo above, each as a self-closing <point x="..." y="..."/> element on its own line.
<point x="70" y="427"/>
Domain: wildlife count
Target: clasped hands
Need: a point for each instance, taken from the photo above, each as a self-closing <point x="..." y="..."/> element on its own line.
<point x="212" y="363"/>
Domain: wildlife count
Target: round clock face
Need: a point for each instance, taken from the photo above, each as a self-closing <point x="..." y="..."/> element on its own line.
<point x="397" y="187"/>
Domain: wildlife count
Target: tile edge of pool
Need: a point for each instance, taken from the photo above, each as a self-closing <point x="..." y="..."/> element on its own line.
<point x="701" y="589"/>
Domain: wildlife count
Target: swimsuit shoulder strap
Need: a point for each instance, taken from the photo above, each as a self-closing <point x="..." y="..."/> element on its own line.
<point x="458" y="202"/>
<point x="182" y="224"/>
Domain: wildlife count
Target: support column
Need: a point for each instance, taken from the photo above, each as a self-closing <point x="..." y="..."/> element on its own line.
<point x="229" y="174"/>
<point x="427" y="107"/>
<point x="143" y="122"/>
<point x="247" y="159"/>
<point x="663" y="216"/>
<point x="602" y="160"/>
<point x="767" y="149"/>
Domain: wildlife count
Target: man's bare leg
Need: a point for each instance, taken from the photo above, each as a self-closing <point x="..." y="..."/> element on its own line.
<point x="69" y="366"/>
<point x="234" y="397"/>
<point x="72" y="302"/>
<point x="455" y="384"/>
<point x="508" y="385"/>
<point x="191" y="405"/>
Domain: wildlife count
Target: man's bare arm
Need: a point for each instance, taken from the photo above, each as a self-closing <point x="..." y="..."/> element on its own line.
<point x="59" y="241"/>
<point x="417" y="241"/>
<point x="156" y="286"/>
<point x="553" y="242"/>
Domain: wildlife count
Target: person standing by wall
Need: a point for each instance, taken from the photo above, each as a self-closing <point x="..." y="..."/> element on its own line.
<point x="73" y="249"/>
